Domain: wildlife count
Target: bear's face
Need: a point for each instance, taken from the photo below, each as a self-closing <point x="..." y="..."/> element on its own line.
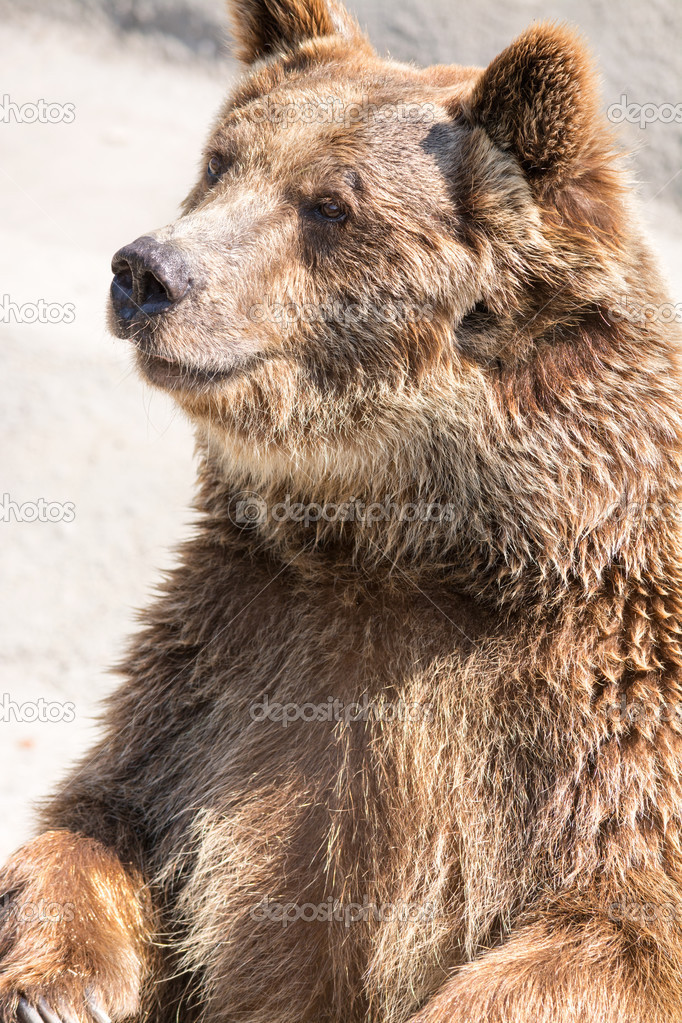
<point x="326" y="248"/>
<point x="322" y="240"/>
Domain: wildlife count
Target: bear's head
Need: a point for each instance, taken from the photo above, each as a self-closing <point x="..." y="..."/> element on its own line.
<point x="400" y="285"/>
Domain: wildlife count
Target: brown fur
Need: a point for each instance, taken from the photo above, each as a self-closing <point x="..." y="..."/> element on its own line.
<point x="533" y="834"/>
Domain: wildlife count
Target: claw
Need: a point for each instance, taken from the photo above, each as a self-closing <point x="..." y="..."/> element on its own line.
<point x="27" y="1014"/>
<point x="96" y="1011"/>
<point x="42" y="1012"/>
<point x="46" y="1012"/>
<point x="66" y="1016"/>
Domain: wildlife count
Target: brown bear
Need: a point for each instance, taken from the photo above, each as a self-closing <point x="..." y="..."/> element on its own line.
<point x="400" y="741"/>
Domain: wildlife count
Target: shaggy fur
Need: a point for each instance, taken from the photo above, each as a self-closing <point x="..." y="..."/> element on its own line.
<point x="514" y="841"/>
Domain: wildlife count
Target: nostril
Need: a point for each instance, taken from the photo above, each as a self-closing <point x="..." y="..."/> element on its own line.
<point x="152" y="291"/>
<point x="123" y="278"/>
<point x="122" y="290"/>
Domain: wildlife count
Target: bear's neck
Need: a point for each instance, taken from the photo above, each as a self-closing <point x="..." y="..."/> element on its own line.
<point x="523" y="553"/>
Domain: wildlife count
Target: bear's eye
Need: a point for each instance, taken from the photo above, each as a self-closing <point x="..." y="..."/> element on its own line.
<point x="329" y="209"/>
<point x="214" y="168"/>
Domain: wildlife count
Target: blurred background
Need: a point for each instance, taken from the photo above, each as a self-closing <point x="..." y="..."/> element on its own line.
<point x="96" y="470"/>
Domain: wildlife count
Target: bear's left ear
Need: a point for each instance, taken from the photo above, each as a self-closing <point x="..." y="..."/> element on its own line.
<point x="265" y="27"/>
<point x="539" y="100"/>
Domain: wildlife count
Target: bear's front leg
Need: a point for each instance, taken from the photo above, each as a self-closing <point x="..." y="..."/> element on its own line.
<point x="569" y="967"/>
<point x="74" y="933"/>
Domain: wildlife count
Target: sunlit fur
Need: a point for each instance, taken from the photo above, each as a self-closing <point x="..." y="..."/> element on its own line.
<point x="521" y="805"/>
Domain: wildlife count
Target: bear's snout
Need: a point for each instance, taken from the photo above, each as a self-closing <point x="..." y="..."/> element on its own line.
<point x="149" y="277"/>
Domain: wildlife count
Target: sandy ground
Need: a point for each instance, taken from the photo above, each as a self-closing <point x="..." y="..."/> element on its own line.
<point x="77" y="426"/>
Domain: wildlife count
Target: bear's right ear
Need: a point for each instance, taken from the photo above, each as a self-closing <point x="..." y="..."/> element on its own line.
<point x="539" y="100"/>
<point x="265" y="27"/>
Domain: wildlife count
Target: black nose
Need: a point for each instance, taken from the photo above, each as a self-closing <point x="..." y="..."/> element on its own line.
<point x="149" y="277"/>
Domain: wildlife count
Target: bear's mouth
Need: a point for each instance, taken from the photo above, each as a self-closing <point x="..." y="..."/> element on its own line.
<point x="174" y="375"/>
